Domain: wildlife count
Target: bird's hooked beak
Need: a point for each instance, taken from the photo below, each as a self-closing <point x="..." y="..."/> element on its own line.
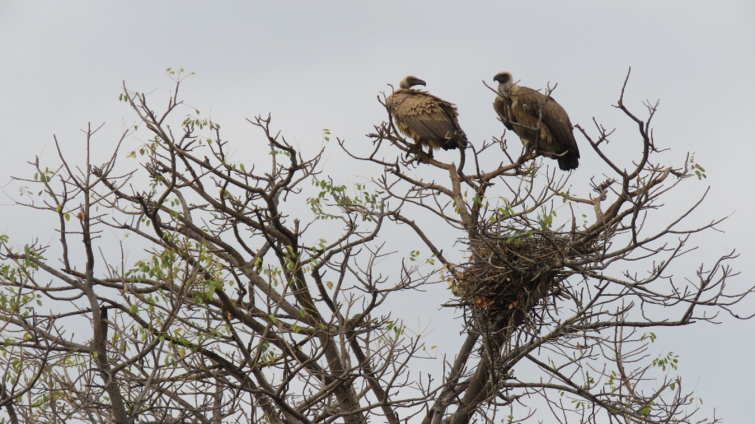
<point x="502" y="78"/>
<point x="417" y="81"/>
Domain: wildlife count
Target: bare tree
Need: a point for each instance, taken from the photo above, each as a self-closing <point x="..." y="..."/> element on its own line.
<point x="246" y="307"/>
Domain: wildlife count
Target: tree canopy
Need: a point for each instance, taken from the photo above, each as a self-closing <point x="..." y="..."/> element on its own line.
<point x="263" y="290"/>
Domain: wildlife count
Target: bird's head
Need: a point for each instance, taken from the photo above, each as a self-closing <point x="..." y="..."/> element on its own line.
<point x="505" y="81"/>
<point x="410" y="81"/>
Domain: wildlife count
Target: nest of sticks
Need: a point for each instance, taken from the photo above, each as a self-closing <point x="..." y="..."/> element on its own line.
<point x="508" y="276"/>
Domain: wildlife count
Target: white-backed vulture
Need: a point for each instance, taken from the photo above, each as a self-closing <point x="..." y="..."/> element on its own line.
<point x="524" y="110"/>
<point x="429" y="120"/>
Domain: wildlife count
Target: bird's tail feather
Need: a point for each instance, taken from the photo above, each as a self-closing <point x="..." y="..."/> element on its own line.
<point x="568" y="161"/>
<point x="457" y="140"/>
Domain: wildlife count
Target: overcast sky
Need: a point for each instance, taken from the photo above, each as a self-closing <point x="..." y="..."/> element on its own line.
<point x="318" y="64"/>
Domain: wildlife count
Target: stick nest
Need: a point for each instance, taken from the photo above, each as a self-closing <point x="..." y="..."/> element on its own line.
<point x="507" y="276"/>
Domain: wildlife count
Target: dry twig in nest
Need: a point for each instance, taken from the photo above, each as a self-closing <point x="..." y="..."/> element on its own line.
<point x="508" y="275"/>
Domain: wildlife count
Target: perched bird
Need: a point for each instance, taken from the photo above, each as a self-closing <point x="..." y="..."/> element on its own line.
<point x="524" y="110"/>
<point x="429" y="120"/>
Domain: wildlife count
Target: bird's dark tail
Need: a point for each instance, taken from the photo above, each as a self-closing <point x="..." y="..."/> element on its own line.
<point x="568" y="161"/>
<point x="457" y="140"/>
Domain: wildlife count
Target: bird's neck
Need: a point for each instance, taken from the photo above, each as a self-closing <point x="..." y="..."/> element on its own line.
<point x="506" y="89"/>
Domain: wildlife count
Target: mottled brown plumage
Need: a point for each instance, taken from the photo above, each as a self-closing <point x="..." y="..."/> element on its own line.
<point x="524" y="110"/>
<point x="427" y="119"/>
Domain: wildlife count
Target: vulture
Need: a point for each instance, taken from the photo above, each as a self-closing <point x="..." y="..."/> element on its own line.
<point x="523" y="110"/>
<point x="429" y="120"/>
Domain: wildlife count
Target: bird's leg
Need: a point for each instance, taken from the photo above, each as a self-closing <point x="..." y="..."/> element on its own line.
<point x="530" y="148"/>
<point x="414" y="154"/>
<point x="420" y="154"/>
<point x="414" y="149"/>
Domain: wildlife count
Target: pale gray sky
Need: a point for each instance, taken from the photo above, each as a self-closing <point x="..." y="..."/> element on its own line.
<point x="318" y="65"/>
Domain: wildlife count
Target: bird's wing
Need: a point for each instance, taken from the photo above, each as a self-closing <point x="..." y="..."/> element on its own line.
<point x="503" y="109"/>
<point x="557" y="120"/>
<point x="423" y="114"/>
<point x="525" y="105"/>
